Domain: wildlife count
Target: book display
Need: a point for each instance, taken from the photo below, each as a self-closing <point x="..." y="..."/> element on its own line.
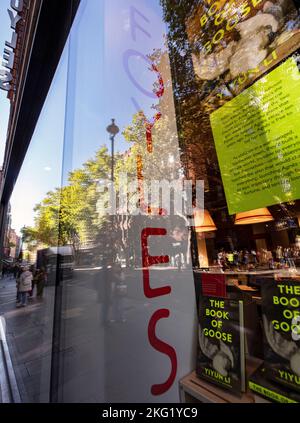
<point x="150" y="201"/>
<point x="221" y="351"/>
<point x="280" y="316"/>
<point x="263" y="386"/>
<point x="240" y="127"/>
<point x="260" y="324"/>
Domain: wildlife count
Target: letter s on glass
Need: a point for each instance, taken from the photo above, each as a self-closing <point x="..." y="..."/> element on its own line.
<point x="164" y="348"/>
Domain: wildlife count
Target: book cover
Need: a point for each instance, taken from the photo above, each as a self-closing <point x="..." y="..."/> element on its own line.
<point x="221" y="346"/>
<point x="281" y="323"/>
<point x="262" y="386"/>
<point x="213" y="284"/>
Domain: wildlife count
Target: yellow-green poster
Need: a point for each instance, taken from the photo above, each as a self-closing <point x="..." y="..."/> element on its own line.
<point x="257" y="138"/>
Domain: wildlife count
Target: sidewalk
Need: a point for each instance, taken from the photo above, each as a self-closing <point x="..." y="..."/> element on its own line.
<point x="29" y="335"/>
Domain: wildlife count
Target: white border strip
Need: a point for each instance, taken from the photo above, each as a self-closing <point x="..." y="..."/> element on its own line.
<point x="8" y="383"/>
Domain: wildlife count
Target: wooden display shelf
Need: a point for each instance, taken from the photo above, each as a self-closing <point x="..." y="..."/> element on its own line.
<point x="193" y="390"/>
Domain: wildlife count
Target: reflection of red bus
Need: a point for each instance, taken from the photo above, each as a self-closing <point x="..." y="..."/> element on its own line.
<point x="54" y="258"/>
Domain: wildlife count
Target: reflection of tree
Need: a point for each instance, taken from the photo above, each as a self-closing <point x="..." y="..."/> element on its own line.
<point x="192" y="111"/>
<point x="29" y="237"/>
<point x="163" y="161"/>
<point x="196" y="98"/>
<point x="68" y="215"/>
<point x="28" y="234"/>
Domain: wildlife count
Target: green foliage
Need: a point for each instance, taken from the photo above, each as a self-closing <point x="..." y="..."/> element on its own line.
<point x="68" y="215"/>
<point x="28" y="234"/>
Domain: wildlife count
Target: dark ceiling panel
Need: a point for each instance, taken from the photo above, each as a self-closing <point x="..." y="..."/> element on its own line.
<point x="54" y="23"/>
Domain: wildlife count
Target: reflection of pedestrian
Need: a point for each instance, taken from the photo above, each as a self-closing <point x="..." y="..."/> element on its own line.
<point x="179" y="242"/>
<point x="16" y="270"/>
<point x="119" y="293"/>
<point x="4" y="270"/>
<point x="245" y="259"/>
<point x="236" y="258"/>
<point x="40" y="282"/>
<point x="18" y="274"/>
<point x="24" y="287"/>
<point x="106" y="285"/>
<point x="32" y="270"/>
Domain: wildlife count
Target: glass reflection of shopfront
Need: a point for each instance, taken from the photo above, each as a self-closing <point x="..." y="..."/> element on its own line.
<point x="201" y="91"/>
<point x="237" y="81"/>
<point x="244" y="142"/>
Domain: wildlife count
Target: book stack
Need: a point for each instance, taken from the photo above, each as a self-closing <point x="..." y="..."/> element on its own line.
<point x="278" y="379"/>
<point x="221" y="347"/>
<point x="266" y="388"/>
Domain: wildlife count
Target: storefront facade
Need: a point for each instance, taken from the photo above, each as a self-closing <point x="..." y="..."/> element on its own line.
<point x="157" y="277"/>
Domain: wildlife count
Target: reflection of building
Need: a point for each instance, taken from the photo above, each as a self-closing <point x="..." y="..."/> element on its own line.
<point x="12" y="242"/>
<point x="15" y="244"/>
<point x="7" y="231"/>
<point x="209" y="93"/>
<point x="41" y="35"/>
<point x="95" y="371"/>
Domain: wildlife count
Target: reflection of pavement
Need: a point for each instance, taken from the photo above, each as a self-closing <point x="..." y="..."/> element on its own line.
<point x="28" y="334"/>
<point x="114" y="362"/>
<point x="100" y="362"/>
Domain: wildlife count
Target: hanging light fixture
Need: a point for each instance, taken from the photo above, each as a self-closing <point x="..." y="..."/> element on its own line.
<point x="203" y="221"/>
<point x="253" y="216"/>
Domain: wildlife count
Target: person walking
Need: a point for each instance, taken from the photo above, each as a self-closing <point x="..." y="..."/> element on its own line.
<point x="106" y="285"/>
<point x="25" y="286"/>
<point x="119" y="294"/>
<point x="18" y="275"/>
<point x="40" y="279"/>
<point x="16" y="270"/>
<point x="4" y="270"/>
<point x="33" y="272"/>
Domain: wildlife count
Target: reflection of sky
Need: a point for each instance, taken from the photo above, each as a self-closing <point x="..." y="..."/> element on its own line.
<point x="41" y="170"/>
<point x="99" y="89"/>
<point x="103" y="89"/>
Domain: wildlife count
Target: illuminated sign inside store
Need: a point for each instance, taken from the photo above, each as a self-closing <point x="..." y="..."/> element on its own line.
<point x="257" y="141"/>
<point x="10" y="46"/>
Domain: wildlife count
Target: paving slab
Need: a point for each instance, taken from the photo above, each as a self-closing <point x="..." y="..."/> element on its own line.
<point x="29" y="338"/>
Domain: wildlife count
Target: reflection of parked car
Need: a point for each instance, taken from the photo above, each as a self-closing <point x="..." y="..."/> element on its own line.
<point x="55" y="259"/>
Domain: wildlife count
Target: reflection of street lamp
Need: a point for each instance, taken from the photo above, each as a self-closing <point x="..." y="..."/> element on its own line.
<point x="113" y="130"/>
<point x="22" y="241"/>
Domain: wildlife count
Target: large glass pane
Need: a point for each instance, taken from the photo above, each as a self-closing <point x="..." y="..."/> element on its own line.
<point x="123" y="341"/>
<point x="172" y="240"/>
<point x="237" y="88"/>
<point x="29" y="329"/>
